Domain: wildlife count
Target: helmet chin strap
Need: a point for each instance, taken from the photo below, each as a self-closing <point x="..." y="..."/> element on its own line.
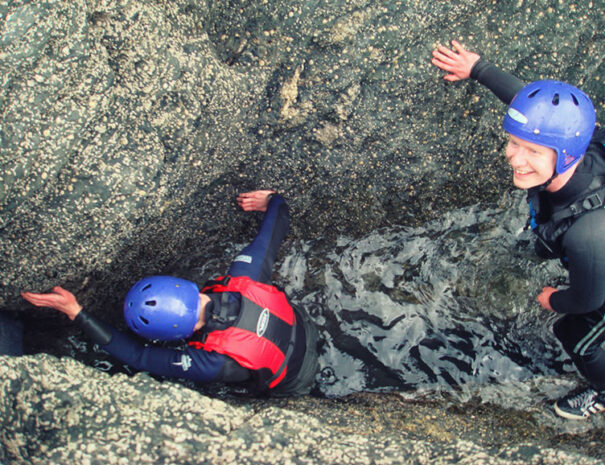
<point x="543" y="187"/>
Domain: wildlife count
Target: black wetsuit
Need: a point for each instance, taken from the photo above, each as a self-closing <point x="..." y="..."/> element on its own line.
<point x="255" y="261"/>
<point x="578" y="241"/>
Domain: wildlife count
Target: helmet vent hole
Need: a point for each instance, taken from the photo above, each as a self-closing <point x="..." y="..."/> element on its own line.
<point x="534" y="93"/>
<point x="144" y="320"/>
<point x="150" y="303"/>
<point x="575" y="100"/>
<point x="146" y="287"/>
<point x="555" y="99"/>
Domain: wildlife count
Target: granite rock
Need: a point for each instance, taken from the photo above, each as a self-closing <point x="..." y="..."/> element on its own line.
<point x="59" y="411"/>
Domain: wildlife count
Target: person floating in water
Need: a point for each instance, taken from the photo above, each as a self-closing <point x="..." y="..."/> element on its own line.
<point x="557" y="155"/>
<point x="240" y="328"/>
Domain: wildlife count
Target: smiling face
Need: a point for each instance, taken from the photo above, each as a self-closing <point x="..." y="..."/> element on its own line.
<point x="532" y="164"/>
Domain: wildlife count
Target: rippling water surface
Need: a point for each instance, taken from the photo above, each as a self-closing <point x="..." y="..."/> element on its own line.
<point x="445" y="305"/>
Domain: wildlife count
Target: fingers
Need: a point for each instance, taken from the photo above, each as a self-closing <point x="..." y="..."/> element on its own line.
<point x="246" y="198"/>
<point x="445" y="54"/>
<point x="60" y="299"/>
<point x="458" y="62"/>
<point x="39" y="300"/>
<point x="258" y="193"/>
<point x="544" y="297"/>
<point x="458" y="46"/>
<point x="255" y="200"/>
<point x="447" y="60"/>
<point x="250" y="203"/>
<point x="27" y="296"/>
<point x="446" y="66"/>
<point x="452" y="69"/>
<point x="59" y="290"/>
<point x="441" y="61"/>
<point x="58" y="296"/>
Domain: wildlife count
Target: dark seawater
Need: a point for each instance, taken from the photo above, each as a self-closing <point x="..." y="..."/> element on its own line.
<point x="446" y="305"/>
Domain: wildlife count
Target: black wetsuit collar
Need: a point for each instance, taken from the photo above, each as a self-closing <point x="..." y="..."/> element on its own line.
<point x="574" y="188"/>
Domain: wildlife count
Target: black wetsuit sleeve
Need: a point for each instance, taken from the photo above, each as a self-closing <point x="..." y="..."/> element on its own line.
<point x="584" y="248"/>
<point x="197" y="365"/>
<point x="504" y="85"/>
<point x="98" y="331"/>
<point x="256" y="260"/>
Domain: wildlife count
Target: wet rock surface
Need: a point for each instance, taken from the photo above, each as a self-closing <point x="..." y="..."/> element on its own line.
<point x="70" y="412"/>
<point x="127" y="128"/>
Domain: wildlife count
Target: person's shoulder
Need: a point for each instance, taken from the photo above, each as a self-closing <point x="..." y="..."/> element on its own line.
<point x="587" y="230"/>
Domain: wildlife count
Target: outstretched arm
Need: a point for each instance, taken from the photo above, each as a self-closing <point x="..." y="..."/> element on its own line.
<point x="463" y="64"/>
<point x="256" y="260"/>
<point x="197" y="365"/>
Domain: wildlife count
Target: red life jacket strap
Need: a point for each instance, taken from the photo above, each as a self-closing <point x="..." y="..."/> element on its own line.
<point x="271" y="296"/>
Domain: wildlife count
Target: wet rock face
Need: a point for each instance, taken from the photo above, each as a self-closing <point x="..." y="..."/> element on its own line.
<point x="128" y="127"/>
<point x="68" y="412"/>
<point x="105" y="137"/>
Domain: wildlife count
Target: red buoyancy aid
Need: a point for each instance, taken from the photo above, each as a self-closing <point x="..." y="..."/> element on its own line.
<point x="263" y="334"/>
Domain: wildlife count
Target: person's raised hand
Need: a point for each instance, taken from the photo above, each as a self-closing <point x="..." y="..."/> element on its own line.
<point x="457" y="62"/>
<point x="255" y="200"/>
<point x="59" y="299"/>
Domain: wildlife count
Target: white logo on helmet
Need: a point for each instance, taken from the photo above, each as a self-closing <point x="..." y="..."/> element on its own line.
<point x="517" y="116"/>
<point x="263" y="322"/>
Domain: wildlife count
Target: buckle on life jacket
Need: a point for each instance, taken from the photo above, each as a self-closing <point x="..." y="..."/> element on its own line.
<point x="222" y="316"/>
<point x="592" y="201"/>
<point x="211" y="284"/>
<point x="199" y="343"/>
<point x="196" y="345"/>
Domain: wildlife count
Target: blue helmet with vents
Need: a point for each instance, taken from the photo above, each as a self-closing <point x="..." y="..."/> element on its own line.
<point x="162" y="307"/>
<point x="556" y="115"/>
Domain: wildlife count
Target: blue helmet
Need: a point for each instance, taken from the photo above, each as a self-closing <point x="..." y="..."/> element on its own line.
<point x="556" y="115"/>
<point x="162" y="307"/>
